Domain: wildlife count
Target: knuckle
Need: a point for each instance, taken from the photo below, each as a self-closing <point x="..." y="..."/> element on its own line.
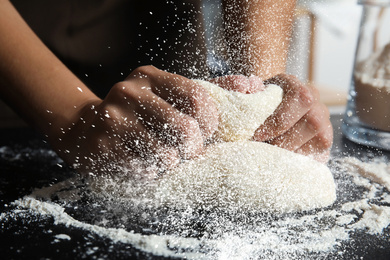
<point x="144" y="71"/>
<point x="318" y="117"/>
<point x="113" y="113"/>
<point x="127" y="90"/>
<point x="281" y="124"/>
<point x="118" y="87"/>
<point x="295" y="90"/>
<point x="271" y="129"/>
<point x="323" y="141"/>
<point x="203" y="109"/>
<point x="305" y="95"/>
<point x="327" y="138"/>
<point x="314" y="122"/>
<point x="122" y="91"/>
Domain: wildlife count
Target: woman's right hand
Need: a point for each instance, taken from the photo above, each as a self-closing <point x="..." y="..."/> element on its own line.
<point x="152" y="120"/>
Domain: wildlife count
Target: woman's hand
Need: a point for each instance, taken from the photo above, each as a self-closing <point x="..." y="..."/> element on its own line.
<point x="150" y="120"/>
<point x="300" y="123"/>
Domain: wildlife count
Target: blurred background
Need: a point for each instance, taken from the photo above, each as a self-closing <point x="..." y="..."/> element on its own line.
<point x="329" y="30"/>
<point x="322" y="49"/>
<point x="321" y="53"/>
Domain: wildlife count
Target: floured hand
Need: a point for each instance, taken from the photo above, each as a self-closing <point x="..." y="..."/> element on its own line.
<point x="301" y="123"/>
<point x="151" y="118"/>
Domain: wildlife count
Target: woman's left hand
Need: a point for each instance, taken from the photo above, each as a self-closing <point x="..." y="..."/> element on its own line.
<point x="301" y="123"/>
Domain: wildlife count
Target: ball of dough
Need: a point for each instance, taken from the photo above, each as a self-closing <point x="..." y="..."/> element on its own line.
<point x="248" y="175"/>
<point x="241" y="114"/>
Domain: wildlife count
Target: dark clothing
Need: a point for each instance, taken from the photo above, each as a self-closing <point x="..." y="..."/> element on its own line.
<point x="102" y="41"/>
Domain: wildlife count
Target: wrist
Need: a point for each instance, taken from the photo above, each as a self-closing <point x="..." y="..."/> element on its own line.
<point x="59" y="125"/>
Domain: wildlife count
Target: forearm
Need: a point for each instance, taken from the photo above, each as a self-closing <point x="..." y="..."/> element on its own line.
<point x="258" y="33"/>
<point x="33" y="81"/>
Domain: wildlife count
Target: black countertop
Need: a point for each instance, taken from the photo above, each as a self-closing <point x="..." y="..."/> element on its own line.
<point x="26" y="163"/>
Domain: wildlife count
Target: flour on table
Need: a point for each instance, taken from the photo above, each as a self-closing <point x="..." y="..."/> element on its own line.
<point x="379" y="172"/>
<point x="318" y="234"/>
<point x="62" y="236"/>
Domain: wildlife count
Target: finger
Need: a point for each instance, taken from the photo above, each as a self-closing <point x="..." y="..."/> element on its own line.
<point x="256" y="85"/>
<point x="240" y="83"/>
<point x="318" y="147"/>
<point x="182" y="93"/>
<point x="297" y="101"/>
<point x="122" y="135"/>
<point x="169" y="125"/>
<point x="314" y="122"/>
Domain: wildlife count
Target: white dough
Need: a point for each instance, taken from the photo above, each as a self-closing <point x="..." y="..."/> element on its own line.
<point x="249" y="175"/>
<point x="244" y="174"/>
<point x="241" y="114"/>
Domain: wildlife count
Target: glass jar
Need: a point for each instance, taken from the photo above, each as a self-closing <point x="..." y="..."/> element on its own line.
<point x="367" y="116"/>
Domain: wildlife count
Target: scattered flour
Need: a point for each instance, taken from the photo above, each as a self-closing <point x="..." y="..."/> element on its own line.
<point x="153" y="244"/>
<point x="375" y="219"/>
<point x="229" y="235"/>
<point x="63" y="237"/>
<point x="378" y="172"/>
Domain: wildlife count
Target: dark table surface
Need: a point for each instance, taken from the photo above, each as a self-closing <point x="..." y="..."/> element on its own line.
<point x="41" y="167"/>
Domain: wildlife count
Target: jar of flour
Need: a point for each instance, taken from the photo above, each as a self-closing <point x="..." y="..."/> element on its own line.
<point x="367" y="117"/>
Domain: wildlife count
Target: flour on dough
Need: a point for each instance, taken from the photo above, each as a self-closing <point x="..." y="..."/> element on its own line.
<point x="248" y="175"/>
<point x="241" y="114"/>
